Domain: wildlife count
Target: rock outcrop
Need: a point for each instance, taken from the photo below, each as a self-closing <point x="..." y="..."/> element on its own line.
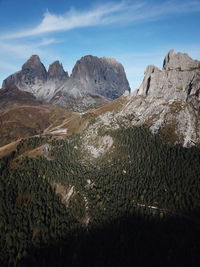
<point x="34" y="78"/>
<point x="56" y="72"/>
<point x="56" y="77"/>
<point x="93" y="82"/>
<point x="168" y="99"/>
<point x="31" y="78"/>
<point x="180" y="62"/>
<point x="102" y="76"/>
<point x="167" y="102"/>
<point x="179" y="79"/>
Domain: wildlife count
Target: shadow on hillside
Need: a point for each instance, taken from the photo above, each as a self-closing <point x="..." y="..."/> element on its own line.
<point x="129" y="241"/>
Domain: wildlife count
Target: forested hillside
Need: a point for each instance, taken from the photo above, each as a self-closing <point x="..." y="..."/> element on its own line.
<point x="138" y="205"/>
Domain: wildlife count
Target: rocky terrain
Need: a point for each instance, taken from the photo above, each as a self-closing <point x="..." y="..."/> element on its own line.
<point x="34" y="78"/>
<point x="93" y="82"/>
<point x="168" y="99"/>
<point x="112" y="186"/>
<point x="167" y="102"/>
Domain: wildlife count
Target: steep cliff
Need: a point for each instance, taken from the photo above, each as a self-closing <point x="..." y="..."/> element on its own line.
<point x="93" y="82"/>
<point x="167" y="102"/>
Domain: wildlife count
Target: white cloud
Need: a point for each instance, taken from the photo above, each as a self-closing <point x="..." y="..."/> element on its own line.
<point x="70" y="20"/>
<point x="104" y="14"/>
<point x="48" y="41"/>
<point x="23" y="50"/>
<point x="12" y="54"/>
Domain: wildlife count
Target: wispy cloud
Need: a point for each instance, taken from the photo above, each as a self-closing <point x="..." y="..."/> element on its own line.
<point x="38" y="39"/>
<point x="13" y="54"/>
<point x="24" y="50"/>
<point x="47" y="41"/>
<point x="113" y="12"/>
<point x="70" y="20"/>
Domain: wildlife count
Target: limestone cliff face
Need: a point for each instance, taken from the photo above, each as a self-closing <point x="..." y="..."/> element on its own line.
<point x="56" y="72"/>
<point x="33" y="70"/>
<point x="34" y="78"/>
<point x="180" y="62"/>
<point x="93" y="82"/>
<point x="168" y="99"/>
<point x="31" y="78"/>
<point x="103" y="76"/>
<point x="179" y="79"/>
<point x="56" y="77"/>
<point x="167" y="102"/>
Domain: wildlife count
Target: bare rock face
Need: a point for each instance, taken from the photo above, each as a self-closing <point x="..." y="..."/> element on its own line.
<point x="167" y="102"/>
<point x="31" y="78"/>
<point x="179" y="79"/>
<point x="92" y="83"/>
<point x="103" y="76"/>
<point x="56" y="72"/>
<point x="56" y="77"/>
<point x="34" y="78"/>
<point x="147" y="82"/>
<point x="179" y="61"/>
<point x="33" y="70"/>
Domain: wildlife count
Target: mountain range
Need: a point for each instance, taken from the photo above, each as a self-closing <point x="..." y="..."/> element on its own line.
<point x="113" y="185"/>
<point x="93" y="82"/>
<point x="166" y="102"/>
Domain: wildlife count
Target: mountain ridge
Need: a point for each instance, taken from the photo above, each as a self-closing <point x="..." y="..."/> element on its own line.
<point x="167" y="102"/>
<point x="93" y="81"/>
<point x="111" y="186"/>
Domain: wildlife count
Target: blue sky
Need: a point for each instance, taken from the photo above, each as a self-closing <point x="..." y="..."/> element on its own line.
<point x="136" y="33"/>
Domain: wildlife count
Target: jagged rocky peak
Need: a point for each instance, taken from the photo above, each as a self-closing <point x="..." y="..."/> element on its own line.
<point x="56" y="71"/>
<point x="179" y="78"/>
<point x="34" y="78"/>
<point x="92" y="80"/>
<point x="145" y="86"/>
<point x="33" y="69"/>
<point x="179" y="61"/>
<point x="167" y="102"/>
<point x="33" y="60"/>
<point x="103" y="76"/>
<point x="151" y="69"/>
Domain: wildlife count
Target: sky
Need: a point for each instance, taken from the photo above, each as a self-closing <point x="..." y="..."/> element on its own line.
<point x="136" y="33"/>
